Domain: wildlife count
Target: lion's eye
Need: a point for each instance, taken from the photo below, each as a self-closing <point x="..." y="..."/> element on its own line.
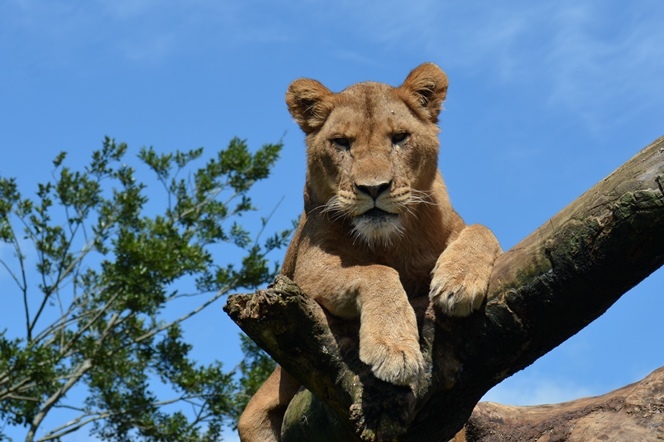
<point x="341" y="142"/>
<point x="400" y="137"/>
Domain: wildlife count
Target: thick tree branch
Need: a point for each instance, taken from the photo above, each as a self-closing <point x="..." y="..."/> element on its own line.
<point x="631" y="413"/>
<point x="542" y="291"/>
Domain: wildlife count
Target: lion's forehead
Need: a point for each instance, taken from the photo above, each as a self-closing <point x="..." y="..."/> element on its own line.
<point x="369" y="106"/>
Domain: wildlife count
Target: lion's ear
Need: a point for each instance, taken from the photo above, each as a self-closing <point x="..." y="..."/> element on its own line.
<point x="424" y="90"/>
<point x="309" y="102"/>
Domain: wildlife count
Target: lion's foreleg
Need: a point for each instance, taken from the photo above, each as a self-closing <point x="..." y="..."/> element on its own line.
<point x="389" y="338"/>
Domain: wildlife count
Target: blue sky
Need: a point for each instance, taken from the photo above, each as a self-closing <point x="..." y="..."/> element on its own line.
<point x="546" y="98"/>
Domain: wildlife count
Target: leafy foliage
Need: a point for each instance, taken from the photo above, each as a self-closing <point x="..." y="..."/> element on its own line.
<point x="107" y="264"/>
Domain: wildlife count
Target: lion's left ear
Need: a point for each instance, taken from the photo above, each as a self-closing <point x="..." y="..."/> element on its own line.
<point x="424" y="90"/>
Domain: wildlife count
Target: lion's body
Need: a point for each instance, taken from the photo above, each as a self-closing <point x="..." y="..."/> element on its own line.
<point x="377" y="227"/>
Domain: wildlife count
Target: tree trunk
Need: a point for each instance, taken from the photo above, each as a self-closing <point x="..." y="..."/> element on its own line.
<point x="542" y="291"/>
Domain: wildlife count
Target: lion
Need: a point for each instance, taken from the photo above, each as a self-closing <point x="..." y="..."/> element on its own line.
<point x="377" y="228"/>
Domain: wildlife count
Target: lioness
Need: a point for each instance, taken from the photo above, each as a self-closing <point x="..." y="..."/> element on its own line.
<point x="377" y="227"/>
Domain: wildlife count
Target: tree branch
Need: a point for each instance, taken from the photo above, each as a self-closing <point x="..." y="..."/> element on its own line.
<point x="542" y="291"/>
<point x="633" y="412"/>
<point x="88" y="417"/>
<point x="82" y="368"/>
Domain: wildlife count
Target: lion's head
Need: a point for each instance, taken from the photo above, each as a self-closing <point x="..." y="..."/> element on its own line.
<point x="372" y="149"/>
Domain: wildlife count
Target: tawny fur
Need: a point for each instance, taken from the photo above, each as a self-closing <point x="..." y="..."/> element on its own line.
<point x="377" y="227"/>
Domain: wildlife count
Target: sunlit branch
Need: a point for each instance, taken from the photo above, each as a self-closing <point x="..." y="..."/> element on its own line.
<point x="52" y="400"/>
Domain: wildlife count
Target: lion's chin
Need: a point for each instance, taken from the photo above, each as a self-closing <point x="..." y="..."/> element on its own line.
<point x="376" y="227"/>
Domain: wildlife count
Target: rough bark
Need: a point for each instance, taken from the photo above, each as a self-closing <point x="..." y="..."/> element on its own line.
<point x="542" y="291"/>
<point x="631" y="413"/>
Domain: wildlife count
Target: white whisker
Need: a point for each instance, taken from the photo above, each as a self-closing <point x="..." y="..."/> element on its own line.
<point x="421" y="196"/>
<point x="371" y="231"/>
<point x="333" y="209"/>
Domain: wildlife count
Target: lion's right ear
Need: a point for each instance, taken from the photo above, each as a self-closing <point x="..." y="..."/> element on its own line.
<point x="310" y="103"/>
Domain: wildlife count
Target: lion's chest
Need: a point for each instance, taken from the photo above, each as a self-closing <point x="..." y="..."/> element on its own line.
<point x="414" y="271"/>
<point x="416" y="287"/>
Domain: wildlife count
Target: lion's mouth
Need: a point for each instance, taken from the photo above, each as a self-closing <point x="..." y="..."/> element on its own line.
<point x="376" y="226"/>
<point x="377" y="214"/>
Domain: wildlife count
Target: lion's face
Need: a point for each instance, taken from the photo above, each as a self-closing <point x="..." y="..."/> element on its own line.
<point x="372" y="149"/>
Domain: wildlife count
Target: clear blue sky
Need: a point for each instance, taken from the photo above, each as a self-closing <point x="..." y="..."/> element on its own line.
<point x="546" y="98"/>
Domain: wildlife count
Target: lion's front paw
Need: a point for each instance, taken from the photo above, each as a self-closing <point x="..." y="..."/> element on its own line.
<point x="458" y="291"/>
<point x="398" y="363"/>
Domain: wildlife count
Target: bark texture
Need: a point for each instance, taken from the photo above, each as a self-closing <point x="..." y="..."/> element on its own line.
<point x="631" y="413"/>
<point x="542" y="291"/>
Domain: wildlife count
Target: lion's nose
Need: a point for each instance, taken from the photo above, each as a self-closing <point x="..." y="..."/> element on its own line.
<point x="374" y="190"/>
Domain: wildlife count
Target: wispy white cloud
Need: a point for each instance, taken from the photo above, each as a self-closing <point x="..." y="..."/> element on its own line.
<point x="579" y="55"/>
<point x="139" y="31"/>
<point x="582" y="60"/>
<point x="536" y="391"/>
<point x="614" y="63"/>
<point x="593" y="59"/>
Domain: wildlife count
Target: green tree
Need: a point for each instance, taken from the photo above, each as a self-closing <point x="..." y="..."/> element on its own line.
<point x="96" y="263"/>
